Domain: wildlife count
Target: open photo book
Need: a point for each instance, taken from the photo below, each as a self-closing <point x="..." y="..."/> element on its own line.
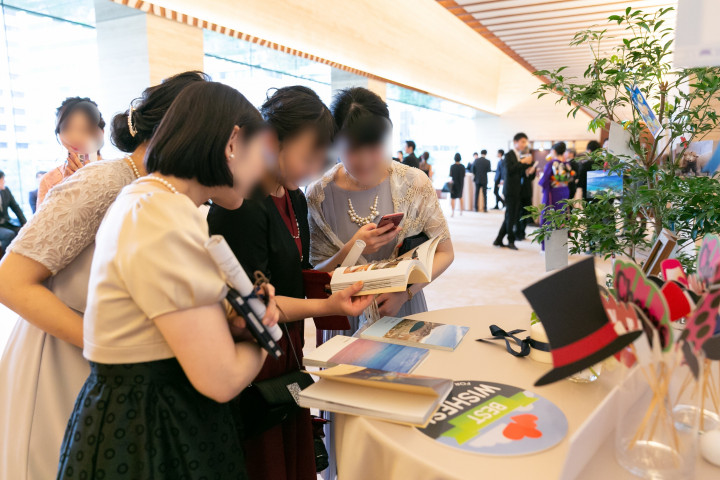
<point x="390" y="396"/>
<point x="414" y="266"/>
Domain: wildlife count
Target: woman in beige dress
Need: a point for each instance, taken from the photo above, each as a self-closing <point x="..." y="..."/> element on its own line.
<point x="45" y="280"/>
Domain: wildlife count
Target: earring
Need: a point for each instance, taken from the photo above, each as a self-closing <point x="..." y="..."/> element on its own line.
<point x="232" y="155"/>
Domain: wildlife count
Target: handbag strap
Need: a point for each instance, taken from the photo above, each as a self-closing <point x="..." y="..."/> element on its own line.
<point x="287" y="333"/>
<point x="260" y="279"/>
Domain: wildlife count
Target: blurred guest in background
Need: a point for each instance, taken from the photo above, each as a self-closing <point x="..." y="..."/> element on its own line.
<point x="514" y="166"/>
<point x="410" y="159"/>
<point x="481" y="168"/>
<point x="457" y="173"/>
<point x="573" y="165"/>
<point x="79" y="127"/>
<point x="526" y="194"/>
<point x="555" y="180"/>
<point x="33" y="194"/>
<point x="8" y="229"/>
<point x="585" y="164"/>
<point x="425" y="165"/>
<point x="499" y="179"/>
<point x="472" y="162"/>
<point x="399" y="156"/>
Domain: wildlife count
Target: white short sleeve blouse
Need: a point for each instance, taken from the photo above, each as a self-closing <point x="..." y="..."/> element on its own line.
<point x="150" y="260"/>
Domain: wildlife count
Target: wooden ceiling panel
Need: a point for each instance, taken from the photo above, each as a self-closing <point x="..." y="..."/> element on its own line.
<point x="537" y="33"/>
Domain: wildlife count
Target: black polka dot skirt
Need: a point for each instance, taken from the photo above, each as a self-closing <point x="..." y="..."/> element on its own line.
<point x="146" y="421"/>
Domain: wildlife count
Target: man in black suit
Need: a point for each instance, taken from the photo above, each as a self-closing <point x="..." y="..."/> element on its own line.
<point x="32" y="195"/>
<point x="498" y="178"/>
<point x="513" y="170"/>
<point x="526" y="194"/>
<point x="481" y="168"/>
<point x="410" y="159"/>
<point x="8" y="231"/>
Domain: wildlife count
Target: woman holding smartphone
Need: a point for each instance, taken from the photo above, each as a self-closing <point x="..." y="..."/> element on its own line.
<point x="162" y="355"/>
<point x="353" y="195"/>
<point x="79" y="127"/>
<point x="270" y="233"/>
<point x="45" y="280"/>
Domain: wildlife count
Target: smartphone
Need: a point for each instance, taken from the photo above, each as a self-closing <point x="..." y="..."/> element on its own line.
<point x="394" y="218"/>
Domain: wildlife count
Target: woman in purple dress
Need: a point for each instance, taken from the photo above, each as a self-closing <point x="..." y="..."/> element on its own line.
<point x="555" y="180"/>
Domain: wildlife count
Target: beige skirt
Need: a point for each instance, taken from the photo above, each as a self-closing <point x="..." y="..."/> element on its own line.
<point x="40" y="377"/>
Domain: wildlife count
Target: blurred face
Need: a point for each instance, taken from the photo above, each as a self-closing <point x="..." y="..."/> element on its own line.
<point x="521" y="144"/>
<point x="569" y="155"/>
<point x="300" y="160"/>
<point x="2" y="183"/>
<point x="247" y="160"/>
<point x="80" y="135"/>
<point x="408" y="149"/>
<point x="367" y="165"/>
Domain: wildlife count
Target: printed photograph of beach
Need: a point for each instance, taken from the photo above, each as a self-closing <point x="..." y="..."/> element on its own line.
<point x="380" y="356"/>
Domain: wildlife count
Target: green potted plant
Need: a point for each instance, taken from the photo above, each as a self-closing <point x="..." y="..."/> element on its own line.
<point x="655" y="193"/>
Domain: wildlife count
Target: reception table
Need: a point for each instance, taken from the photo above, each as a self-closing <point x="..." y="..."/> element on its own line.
<point x="372" y="449"/>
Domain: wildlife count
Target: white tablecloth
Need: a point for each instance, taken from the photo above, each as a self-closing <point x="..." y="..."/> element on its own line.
<point x="371" y="449"/>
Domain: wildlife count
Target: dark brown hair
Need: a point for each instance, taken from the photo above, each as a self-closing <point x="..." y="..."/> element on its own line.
<point x="292" y="110"/>
<point x="191" y="139"/>
<point x="149" y="110"/>
<point x="78" y="104"/>
<point x="361" y="116"/>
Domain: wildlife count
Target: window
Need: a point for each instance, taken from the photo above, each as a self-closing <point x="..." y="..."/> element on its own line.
<point x="253" y="69"/>
<point x="41" y="42"/>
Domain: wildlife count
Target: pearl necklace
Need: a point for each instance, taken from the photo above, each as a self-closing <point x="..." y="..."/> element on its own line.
<point x="362" y="221"/>
<point x="167" y="184"/>
<point x="133" y="166"/>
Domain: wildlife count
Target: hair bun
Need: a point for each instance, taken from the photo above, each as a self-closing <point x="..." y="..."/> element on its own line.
<point x="121" y="136"/>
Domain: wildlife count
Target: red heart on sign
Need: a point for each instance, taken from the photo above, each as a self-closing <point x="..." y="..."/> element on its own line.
<point x="522" y="426"/>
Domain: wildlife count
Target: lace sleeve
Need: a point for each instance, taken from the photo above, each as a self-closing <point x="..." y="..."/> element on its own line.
<point x="71" y="214"/>
<point x="433" y="218"/>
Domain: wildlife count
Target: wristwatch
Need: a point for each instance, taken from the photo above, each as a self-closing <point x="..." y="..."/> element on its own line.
<point x="410" y="294"/>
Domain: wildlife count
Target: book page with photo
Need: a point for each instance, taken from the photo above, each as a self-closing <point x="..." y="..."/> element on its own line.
<point x="394" y="275"/>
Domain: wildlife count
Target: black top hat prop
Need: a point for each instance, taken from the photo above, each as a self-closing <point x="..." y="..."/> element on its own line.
<point x="578" y="329"/>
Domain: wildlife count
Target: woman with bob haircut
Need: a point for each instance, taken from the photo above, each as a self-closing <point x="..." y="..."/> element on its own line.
<point x="164" y="358"/>
<point x="45" y="281"/>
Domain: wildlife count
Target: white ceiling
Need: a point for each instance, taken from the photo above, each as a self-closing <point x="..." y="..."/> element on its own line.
<point x="540" y="31"/>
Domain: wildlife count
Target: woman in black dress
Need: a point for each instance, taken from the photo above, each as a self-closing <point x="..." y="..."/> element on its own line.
<point x="270" y="233"/>
<point x="457" y="173"/>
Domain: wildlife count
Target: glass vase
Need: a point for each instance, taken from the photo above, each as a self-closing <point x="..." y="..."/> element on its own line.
<point x="588" y="375"/>
<point x="704" y="399"/>
<point x="653" y="440"/>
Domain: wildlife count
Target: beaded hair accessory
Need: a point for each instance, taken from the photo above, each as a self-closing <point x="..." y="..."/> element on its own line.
<point x="133" y="130"/>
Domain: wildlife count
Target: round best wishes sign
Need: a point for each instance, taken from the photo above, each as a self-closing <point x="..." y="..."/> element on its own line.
<point x="496" y="419"/>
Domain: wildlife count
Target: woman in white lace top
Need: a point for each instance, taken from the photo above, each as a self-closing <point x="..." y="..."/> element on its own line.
<point x="345" y="204"/>
<point x="45" y="280"/>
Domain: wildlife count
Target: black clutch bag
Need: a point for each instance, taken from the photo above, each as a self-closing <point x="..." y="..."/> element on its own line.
<point x="411" y="242"/>
<point x="267" y="403"/>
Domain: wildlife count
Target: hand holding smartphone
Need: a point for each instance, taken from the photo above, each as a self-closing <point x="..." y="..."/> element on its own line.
<point x="394" y="218"/>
